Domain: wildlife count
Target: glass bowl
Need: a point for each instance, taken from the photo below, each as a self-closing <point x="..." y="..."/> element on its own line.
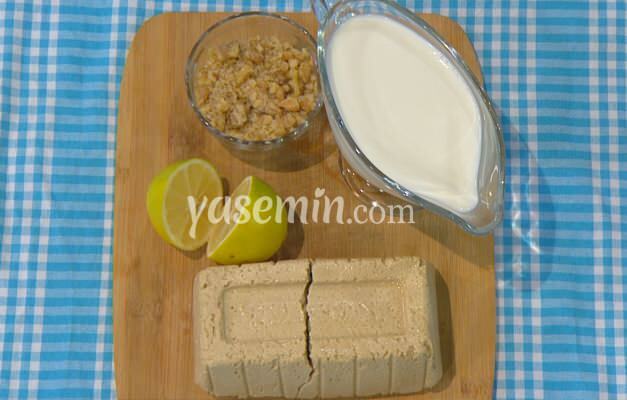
<point x="241" y="27"/>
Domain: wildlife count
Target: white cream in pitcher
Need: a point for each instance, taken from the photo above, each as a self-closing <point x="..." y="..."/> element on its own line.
<point x="407" y="109"/>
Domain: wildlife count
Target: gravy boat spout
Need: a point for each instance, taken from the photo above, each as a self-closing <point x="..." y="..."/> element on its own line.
<point x="365" y="178"/>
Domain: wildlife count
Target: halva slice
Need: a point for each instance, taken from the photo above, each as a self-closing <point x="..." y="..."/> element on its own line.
<point x="373" y="327"/>
<point x="249" y="329"/>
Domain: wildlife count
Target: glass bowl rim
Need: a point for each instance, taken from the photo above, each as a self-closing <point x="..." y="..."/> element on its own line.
<point x="243" y="143"/>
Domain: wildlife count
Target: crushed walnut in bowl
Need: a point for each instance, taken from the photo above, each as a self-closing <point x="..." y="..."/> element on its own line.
<point x="252" y="80"/>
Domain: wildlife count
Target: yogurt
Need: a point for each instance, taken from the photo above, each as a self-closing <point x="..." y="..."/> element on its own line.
<point x="411" y="114"/>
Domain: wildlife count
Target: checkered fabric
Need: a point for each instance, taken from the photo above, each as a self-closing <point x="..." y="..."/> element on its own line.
<point x="556" y="71"/>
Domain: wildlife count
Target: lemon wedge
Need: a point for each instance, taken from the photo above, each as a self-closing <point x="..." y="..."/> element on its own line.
<point x="252" y="231"/>
<point x="168" y="205"/>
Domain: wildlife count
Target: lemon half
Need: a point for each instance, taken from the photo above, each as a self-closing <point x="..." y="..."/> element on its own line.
<point x="249" y="235"/>
<point x="167" y="201"/>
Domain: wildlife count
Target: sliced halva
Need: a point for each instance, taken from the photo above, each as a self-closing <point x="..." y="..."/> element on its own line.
<point x="373" y="327"/>
<point x="250" y="329"/>
<point x="319" y="329"/>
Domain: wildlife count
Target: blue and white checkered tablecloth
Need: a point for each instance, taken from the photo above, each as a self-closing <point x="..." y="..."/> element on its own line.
<point x="556" y="70"/>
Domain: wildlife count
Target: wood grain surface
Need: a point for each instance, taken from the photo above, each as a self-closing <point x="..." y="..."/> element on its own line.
<point x="153" y="282"/>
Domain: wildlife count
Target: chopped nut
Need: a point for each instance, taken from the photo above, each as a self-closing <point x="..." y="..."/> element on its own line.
<point x="243" y="74"/>
<point x="202" y="94"/>
<point x="293" y="63"/>
<point x="277" y="127"/>
<point x="304" y="71"/>
<point x="294" y="84"/>
<point x="232" y="51"/>
<point x="273" y="88"/>
<point x="290" y="104"/>
<point x="280" y="94"/>
<point x="265" y="120"/>
<point x="256" y="89"/>
<point x="221" y="105"/>
<point x="214" y="56"/>
<point x="307" y="102"/>
<point x="262" y="84"/>
<point x="218" y="120"/>
<point x="237" y="117"/>
<point x="257" y="99"/>
<point x="289" y="121"/>
<point x="271" y="108"/>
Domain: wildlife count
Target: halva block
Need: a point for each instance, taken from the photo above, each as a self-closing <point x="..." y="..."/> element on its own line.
<point x="317" y="329"/>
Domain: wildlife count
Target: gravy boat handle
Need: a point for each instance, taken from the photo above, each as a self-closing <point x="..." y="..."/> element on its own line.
<point x="321" y="8"/>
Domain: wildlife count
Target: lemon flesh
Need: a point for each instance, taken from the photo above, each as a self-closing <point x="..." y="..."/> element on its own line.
<point x="237" y="239"/>
<point x="167" y="201"/>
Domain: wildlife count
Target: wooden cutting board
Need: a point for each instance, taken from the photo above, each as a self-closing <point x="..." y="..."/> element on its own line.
<point x="153" y="282"/>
